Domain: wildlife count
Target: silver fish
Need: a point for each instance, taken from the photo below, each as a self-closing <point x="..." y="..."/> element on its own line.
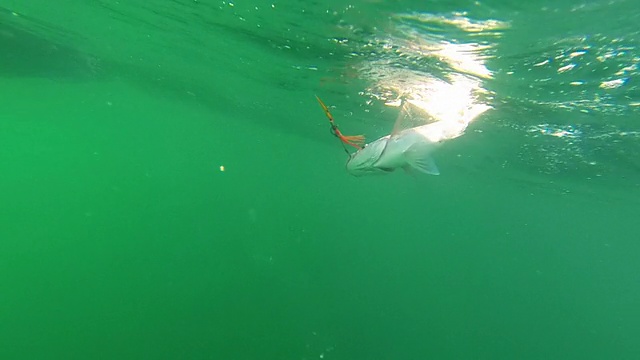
<point x="410" y="149"/>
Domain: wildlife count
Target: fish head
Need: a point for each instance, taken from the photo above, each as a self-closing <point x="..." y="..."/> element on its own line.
<point x="363" y="162"/>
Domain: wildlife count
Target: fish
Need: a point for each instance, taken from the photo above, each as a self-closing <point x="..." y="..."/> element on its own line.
<point x="415" y="137"/>
<point x="409" y="149"/>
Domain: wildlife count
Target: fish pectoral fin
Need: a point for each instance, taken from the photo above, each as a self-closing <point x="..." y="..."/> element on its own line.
<point x="426" y="165"/>
<point x="421" y="162"/>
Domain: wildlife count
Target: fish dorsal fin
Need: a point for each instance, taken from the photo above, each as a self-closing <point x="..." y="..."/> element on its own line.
<point x="411" y="115"/>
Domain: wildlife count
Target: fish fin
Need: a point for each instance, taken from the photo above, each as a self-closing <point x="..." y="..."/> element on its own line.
<point x="408" y="169"/>
<point x="424" y="164"/>
<point x="410" y="116"/>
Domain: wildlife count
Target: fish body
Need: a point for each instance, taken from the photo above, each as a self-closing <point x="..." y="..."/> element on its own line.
<point x="410" y="149"/>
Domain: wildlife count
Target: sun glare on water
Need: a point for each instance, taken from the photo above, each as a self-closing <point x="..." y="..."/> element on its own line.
<point x="455" y="96"/>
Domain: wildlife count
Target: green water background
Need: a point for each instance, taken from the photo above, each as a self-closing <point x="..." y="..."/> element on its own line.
<point x="120" y="238"/>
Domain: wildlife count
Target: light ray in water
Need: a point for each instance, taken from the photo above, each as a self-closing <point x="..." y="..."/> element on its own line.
<point x="444" y="78"/>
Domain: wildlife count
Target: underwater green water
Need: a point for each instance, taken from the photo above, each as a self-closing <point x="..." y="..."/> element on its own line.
<point x="169" y="187"/>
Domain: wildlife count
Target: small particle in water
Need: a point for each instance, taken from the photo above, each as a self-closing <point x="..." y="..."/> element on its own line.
<point x="222" y="168"/>
<point x="566" y="68"/>
<point x="545" y="62"/>
<point x="612" y="84"/>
